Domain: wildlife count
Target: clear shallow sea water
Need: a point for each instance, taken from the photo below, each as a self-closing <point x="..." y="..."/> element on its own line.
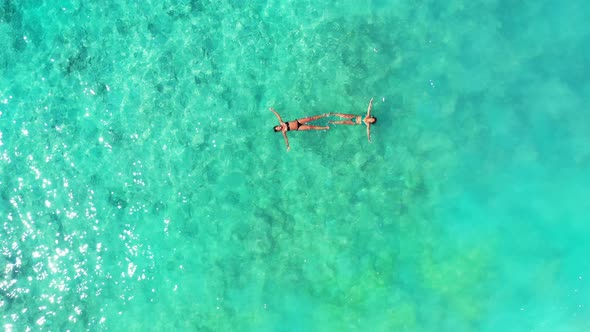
<point x="142" y="186"/>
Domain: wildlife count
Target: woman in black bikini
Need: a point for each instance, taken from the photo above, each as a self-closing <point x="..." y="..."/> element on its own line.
<point x="299" y="124"/>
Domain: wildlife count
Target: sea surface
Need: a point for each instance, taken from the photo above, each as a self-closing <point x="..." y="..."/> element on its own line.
<point x="143" y="188"/>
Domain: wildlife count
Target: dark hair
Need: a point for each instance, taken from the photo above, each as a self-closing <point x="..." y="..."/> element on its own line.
<point x="275" y="128"/>
<point x="374" y="120"/>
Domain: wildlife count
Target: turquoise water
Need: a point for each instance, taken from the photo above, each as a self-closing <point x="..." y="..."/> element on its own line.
<point x="142" y="186"/>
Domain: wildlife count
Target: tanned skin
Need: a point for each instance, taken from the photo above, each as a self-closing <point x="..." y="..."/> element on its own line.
<point x="298" y="124"/>
<point x="358" y="119"/>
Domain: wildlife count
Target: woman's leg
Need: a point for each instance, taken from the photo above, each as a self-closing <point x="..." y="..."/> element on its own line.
<point x="306" y="127"/>
<point x="347" y="122"/>
<point x="346" y="116"/>
<point x="311" y="118"/>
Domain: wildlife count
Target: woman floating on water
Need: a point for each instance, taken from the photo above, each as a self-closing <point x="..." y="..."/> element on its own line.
<point x="368" y="120"/>
<point x="298" y="124"/>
